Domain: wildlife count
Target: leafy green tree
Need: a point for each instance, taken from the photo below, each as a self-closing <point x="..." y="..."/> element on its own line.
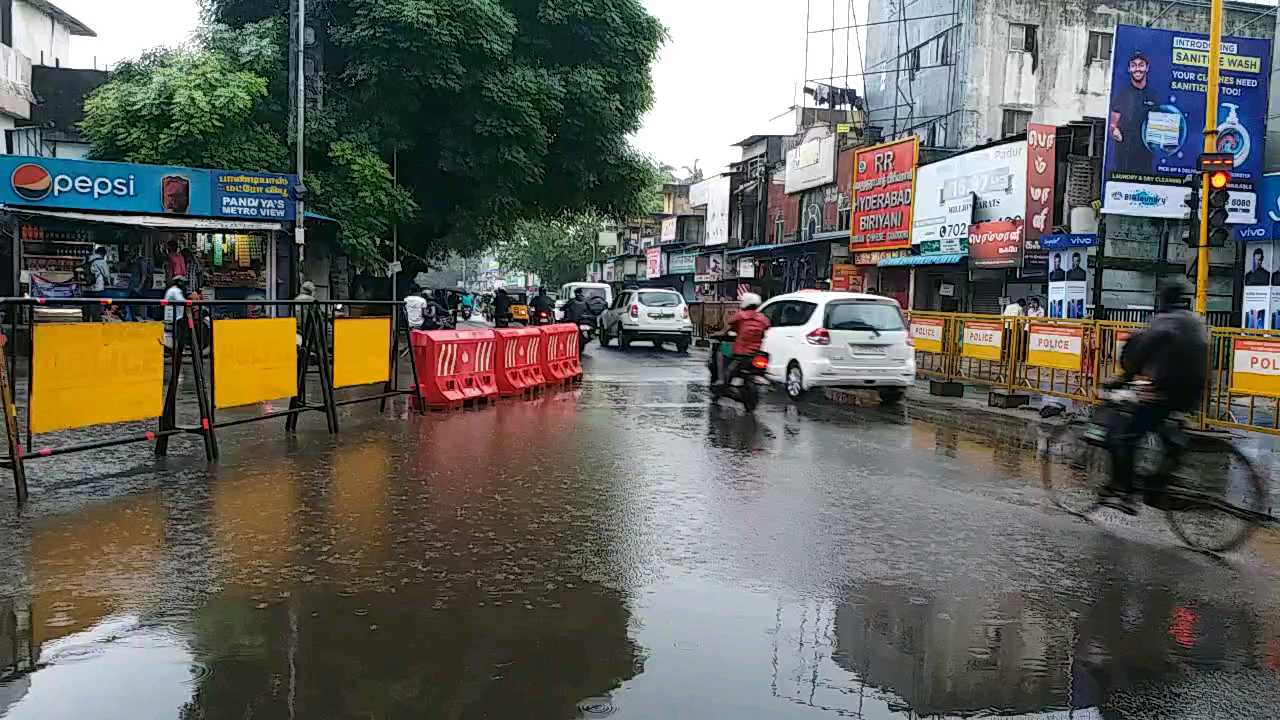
<point x="211" y="106"/>
<point x="557" y="250"/>
<point x="500" y="110"/>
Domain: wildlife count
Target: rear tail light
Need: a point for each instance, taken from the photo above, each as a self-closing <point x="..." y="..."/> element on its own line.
<point x="820" y="336"/>
<point x="684" y="311"/>
<point x="635" y="311"/>
<point x="760" y="362"/>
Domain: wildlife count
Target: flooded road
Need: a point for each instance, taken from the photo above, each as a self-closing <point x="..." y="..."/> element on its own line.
<point x="623" y="550"/>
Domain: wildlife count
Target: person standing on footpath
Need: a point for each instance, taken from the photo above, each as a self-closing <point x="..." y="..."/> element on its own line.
<point x="175" y="307"/>
<point x="308" y="295"/>
<point x="99" y="278"/>
<point x="177" y="265"/>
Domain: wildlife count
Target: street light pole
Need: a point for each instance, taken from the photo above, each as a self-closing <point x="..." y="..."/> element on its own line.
<point x="300" y="110"/>
<point x="1210" y="146"/>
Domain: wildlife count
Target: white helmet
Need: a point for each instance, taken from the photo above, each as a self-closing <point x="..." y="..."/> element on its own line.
<point x="749" y="300"/>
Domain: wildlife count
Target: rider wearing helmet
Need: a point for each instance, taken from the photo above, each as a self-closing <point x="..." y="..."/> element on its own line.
<point x="749" y="324"/>
<point x="1172" y="352"/>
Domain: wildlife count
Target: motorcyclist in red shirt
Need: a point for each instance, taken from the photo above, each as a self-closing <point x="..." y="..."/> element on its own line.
<point x="749" y="324"/>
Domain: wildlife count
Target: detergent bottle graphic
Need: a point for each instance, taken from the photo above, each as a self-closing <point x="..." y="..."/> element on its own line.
<point x="1232" y="137"/>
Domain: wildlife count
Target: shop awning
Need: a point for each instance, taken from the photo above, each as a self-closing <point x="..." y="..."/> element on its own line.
<point x="942" y="259"/>
<point x="156" y="222"/>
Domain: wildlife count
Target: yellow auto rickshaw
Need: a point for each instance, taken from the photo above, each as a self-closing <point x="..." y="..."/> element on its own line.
<point x="519" y="306"/>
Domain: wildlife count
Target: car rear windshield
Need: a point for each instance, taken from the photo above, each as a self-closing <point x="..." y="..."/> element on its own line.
<point x="659" y="299"/>
<point x="590" y="292"/>
<point x="863" y="315"/>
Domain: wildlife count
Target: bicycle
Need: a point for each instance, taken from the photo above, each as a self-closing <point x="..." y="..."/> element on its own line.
<point x="1213" y="498"/>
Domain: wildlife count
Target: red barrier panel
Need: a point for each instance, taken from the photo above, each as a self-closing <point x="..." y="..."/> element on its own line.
<point x="559" y="359"/>
<point x="454" y="366"/>
<point x="518" y="370"/>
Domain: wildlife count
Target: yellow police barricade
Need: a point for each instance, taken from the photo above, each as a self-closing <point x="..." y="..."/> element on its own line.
<point x="1061" y="358"/>
<point x="254" y="361"/>
<point x="95" y="374"/>
<point x="1244" y="380"/>
<point x="986" y="349"/>
<point x="930" y="333"/>
<point x="361" y="351"/>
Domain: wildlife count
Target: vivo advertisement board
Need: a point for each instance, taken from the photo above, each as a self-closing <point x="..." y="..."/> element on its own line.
<point x="1156" y="119"/>
<point x="145" y="189"/>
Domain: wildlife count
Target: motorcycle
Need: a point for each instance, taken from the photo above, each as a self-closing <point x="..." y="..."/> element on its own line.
<point x="541" y="317"/>
<point x="746" y="377"/>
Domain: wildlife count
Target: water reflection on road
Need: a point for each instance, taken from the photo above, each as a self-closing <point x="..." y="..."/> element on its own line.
<point x="621" y="549"/>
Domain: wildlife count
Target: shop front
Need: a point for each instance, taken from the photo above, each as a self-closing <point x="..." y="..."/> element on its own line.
<point x="222" y="230"/>
<point x="680" y="269"/>
<point x="888" y="280"/>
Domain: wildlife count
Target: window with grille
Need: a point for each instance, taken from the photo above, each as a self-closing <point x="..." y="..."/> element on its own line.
<point x="844" y="212"/>
<point x="1022" y="38"/>
<point x="777" y="229"/>
<point x="1099" y="47"/>
<point x="1014" y="122"/>
<point x="944" y="48"/>
<point x="915" y="61"/>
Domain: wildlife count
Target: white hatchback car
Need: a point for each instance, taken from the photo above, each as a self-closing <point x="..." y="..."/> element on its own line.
<point x="658" y="315"/>
<point x="838" y="339"/>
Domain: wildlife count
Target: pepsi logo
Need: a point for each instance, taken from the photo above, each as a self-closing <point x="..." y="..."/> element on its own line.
<point x="31" y="182"/>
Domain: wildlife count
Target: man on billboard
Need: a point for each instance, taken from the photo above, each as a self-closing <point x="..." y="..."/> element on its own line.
<point x="1076" y="273"/>
<point x="1258" y="274"/>
<point x="1056" y="273"/>
<point x="1129" y="109"/>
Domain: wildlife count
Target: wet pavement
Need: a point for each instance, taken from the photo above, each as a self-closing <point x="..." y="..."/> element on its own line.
<point x="623" y="549"/>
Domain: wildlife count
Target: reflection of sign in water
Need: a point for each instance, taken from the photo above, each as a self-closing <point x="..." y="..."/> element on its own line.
<point x="982" y="339"/>
<point x="254" y="361"/>
<point x="1055" y="346"/>
<point x="1255" y="367"/>
<point x="96" y="373"/>
<point x="926" y="332"/>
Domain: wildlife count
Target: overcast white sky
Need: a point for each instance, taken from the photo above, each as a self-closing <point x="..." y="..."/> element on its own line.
<point x="727" y="69"/>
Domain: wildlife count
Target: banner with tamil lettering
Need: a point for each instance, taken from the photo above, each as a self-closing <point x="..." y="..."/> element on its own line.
<point x="1156" y="118"/>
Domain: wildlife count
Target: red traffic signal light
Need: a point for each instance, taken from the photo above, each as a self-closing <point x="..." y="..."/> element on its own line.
<point x="1218" y="179"/>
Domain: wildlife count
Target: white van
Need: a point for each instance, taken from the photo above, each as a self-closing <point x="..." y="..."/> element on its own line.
<point x="599" y="296"/>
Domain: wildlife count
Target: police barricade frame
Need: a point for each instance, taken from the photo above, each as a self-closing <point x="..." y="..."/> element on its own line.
<point x="317" y="326"/>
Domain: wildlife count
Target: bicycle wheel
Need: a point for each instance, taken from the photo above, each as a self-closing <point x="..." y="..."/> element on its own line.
<point x="1072" y="470"/>
<point x="1234" y="489"/>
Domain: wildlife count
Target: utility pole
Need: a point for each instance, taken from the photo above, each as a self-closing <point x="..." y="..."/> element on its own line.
<point x="300" y="111"/>
<point x="395" y="229"/>
<point x="1210" y="146"/>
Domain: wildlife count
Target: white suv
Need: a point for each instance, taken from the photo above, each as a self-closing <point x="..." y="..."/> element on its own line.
<point x="658" y="315"/>
<point x="838" y="339"/>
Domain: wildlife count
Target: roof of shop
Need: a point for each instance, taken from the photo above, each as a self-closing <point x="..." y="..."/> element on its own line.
<point x="159" y="222"/>
<point x="940" y="259"/>
<point x="62" y="16"/>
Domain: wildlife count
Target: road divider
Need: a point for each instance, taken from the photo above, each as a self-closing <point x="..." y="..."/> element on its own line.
<point x="455" y="367"/>
<point x="559" y="356"/>
<point x="517" y="350"/>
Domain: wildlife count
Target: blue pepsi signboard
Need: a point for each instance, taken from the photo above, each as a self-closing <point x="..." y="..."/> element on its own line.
<point x="145" y="189"/>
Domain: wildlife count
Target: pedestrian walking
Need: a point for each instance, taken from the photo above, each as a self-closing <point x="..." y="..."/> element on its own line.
<point x="175" y="307"/>
<point x="141" y="269"/>
<point x="99" y="277"/>
<point x="307" y="295"/>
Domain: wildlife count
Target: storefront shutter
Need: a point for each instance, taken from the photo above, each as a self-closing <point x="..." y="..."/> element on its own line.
<point x="986" y="297"/>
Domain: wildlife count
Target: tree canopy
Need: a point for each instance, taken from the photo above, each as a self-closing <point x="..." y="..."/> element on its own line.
<point x="557" y="250"/>
<point x="498" y="110"/>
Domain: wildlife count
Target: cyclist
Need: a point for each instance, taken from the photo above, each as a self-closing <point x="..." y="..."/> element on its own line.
<point x="1173" y="353"/>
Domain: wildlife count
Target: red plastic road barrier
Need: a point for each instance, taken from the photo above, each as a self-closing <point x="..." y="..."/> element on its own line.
<point x="454" y="366"/>
<point x="559" y="359"/>
<point x="517" y="355"/>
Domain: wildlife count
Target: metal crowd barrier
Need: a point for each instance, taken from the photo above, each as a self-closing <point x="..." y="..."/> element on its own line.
<point x="97" y="370"/>
<point x="1072" y="358"/>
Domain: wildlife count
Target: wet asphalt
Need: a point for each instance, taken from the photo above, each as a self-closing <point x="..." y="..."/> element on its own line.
<point x="623" y="549"/>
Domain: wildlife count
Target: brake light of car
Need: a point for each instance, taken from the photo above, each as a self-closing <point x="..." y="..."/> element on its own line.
<point x="819" y="336"/>
<point x="760" y="362"/>
<point x="635" y="311"/>
<point x="684" y="311"/>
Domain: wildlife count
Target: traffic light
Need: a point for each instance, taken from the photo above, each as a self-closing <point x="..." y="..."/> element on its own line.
<point x="1219" y="233"/>
<point x="1192" y="184"/>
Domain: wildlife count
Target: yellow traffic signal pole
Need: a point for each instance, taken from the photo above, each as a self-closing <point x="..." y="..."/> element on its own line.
<point x="1210" y="145"/>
